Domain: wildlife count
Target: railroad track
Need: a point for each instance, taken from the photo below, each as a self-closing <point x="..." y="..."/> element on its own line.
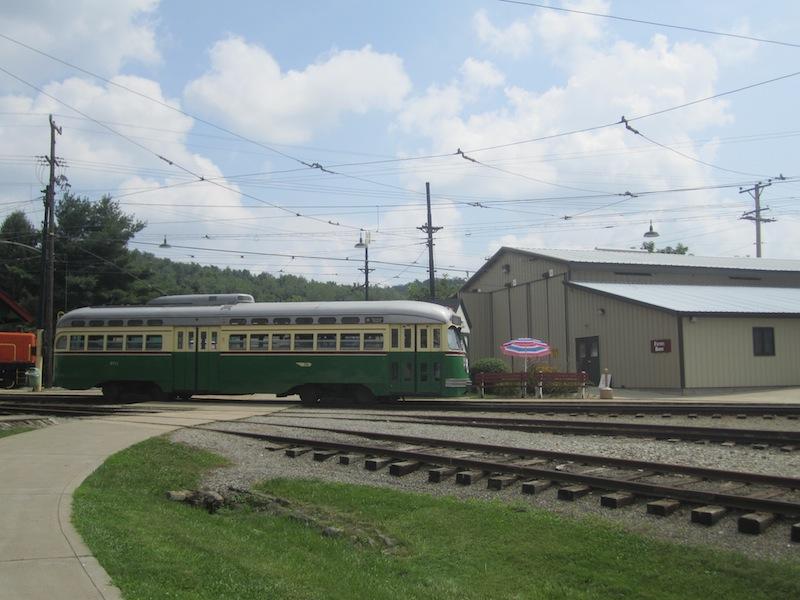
<point x="762" y="438"/>
<point x="70" y="410"/>
<point x="712" y="493"/>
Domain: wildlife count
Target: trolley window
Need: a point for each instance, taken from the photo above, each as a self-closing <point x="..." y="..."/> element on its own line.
<point x="134" y="343"/>
<point x="76" y="343"/>
<point x="373" y="341"/>
<point x="351" y="320"/>
<point x="327" y="320"/>
<point x="94" y="343"/>
<point x="238" y="321"/>
<point x="326" y="341"/>
<point x="135" y="322"/>
<point x="304" y="320"/>
<point x="155" y="322"/>
<point x="423" y="337"/>
<point x="115" y="322"/>
<point x="407" y="341"/>
<point x="80" y="323"/>
<point x="259" y="321"/>
<point x="454" y="339"/>
<point x="154" y="343"/>
<point x="61" y="342"/>
<point x="282" y="321"/>
<point x="350" y="341"/>
<point x="203" y="340"/>
<point x="190" y="340"/>
<point x="237" y="341"/>
<point x="179" y="342"/>
<point x="96" y="323"/>
<point x="303" y="341"/>
<point x="114" y="342"/>
<point x="395" y="338"/>
<point x="259" y="341"/>
<point x="213" y="340"/>
<point x="281" y="341"/>
<point x="437" y="338"/>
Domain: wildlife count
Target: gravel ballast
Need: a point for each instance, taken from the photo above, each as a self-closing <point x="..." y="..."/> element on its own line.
<point x="253" y="463"/>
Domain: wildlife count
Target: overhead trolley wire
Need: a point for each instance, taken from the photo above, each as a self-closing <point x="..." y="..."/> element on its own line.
<point x="740" y="36"/>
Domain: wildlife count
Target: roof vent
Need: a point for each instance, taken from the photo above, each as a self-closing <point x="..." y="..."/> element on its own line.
<point x="201" y="300"/>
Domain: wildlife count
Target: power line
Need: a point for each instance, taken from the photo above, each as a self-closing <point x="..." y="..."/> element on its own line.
<point x="654" y="23"/>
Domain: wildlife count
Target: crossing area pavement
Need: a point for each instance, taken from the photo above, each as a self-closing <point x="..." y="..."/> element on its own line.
<point x="41" y="554"/>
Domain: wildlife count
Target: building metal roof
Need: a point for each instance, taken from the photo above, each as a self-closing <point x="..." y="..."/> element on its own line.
<point x="623" y="257"/>
<point x="704" y="299"/>
<point x="602" y="256"/>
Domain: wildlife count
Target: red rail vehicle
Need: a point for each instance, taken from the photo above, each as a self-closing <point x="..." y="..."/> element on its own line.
<point x="17" y="355"/>
<point x="17" y="348"/>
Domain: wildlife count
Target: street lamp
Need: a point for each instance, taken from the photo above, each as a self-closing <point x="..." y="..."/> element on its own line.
<point x="363" y="242"/>
<point x="164" y="244"/>
<point x="651" y="233"/>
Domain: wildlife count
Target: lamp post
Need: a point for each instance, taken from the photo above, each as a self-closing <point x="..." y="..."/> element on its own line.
<point x="363" y="242"/>
<point x="651" y="233"/>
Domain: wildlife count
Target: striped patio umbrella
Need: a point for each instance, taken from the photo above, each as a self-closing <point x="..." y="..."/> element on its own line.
<point x="526" y="348"/>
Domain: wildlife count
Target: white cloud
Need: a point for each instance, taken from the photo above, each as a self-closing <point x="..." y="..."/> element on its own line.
<point x="514" y="40"/>
<point x="554" y="31"/>
<point x="95" y="34"/>
<point x="481" y="73"/>
<point x="246" y="88"/>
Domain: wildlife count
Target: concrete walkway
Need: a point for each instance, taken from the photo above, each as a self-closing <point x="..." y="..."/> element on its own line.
<point x="41" y="556"/>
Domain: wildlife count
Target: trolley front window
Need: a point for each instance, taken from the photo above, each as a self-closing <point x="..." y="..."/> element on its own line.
<point x="454" y="339"/>
<point x="61" y="342"/>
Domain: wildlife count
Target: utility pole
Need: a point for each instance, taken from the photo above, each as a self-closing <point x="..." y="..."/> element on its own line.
<point x="755" y="215"/>
<point x="49" y="250"/>
<point x="430" y="230"/>
<point x="363" y="242"/>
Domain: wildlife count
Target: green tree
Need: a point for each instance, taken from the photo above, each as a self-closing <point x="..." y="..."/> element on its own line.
<point x="651" y="247"/>
<point x="93" y="264"/>
<point x="20" y="267"/>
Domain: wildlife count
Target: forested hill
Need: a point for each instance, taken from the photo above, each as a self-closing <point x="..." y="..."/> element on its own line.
<point x="94" y="266"/>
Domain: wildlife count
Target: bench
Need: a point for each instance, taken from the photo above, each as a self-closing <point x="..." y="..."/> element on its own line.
<point x="574" y="379"/>
<point x="491" y="379"/>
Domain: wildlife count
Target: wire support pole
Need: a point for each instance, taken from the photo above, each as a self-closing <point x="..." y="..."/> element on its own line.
<point x="755" y="214"/>
<point x="429" y="229"/>
<point x="366" y="271"/>
<point x="49" y="250"/>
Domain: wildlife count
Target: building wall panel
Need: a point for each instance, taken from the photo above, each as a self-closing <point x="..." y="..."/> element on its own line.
<point x="719" y="353"/>
<point x="478" y="307"/>
<point x="626" y="331"/>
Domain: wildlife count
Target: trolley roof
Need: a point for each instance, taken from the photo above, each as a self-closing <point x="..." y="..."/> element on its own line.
<point x="389" y="311"/>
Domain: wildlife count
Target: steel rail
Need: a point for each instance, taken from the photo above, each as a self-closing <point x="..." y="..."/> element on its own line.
<point x="781" y="507"/>
<point x="721" y="434"/>
<point x="704" y="472"/>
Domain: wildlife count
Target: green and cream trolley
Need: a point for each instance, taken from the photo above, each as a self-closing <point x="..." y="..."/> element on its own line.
<point x="177" y="346"/>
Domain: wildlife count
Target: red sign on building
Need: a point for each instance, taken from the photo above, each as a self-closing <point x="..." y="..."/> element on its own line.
<point x="660" y="346"/>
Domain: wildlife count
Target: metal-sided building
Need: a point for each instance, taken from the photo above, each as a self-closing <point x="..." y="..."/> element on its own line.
<point x="653" y="320"/>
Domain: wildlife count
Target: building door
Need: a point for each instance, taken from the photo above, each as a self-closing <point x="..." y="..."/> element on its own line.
<point x="587" y="357"/>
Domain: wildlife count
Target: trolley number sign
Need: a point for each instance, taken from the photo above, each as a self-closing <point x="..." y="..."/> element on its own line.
<point x="660" y="346"/>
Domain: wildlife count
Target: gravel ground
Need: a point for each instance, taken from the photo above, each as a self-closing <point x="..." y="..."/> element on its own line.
<point x="252" y="463"/>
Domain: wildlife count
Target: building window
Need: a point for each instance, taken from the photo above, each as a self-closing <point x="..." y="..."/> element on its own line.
<point x="763" y="341"/>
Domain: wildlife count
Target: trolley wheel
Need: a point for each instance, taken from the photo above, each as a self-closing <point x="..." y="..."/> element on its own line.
<point x="362" y="395"/>
<point x="309" y="395"/>
<point x="112" y="392"/>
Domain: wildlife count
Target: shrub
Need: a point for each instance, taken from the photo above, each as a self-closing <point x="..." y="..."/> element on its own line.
<point x="487" y="365"/>
<point x="555" y="389"/>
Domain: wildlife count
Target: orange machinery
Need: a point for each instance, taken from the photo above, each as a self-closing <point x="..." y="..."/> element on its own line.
<point x="17" y="349"/>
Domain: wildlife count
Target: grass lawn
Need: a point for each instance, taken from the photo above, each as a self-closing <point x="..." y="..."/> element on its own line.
<point x="13" y="430"/>
<point x="448" y="548"/>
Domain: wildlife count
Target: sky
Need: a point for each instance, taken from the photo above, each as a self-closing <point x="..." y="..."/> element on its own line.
<point x="270" y="136"/>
